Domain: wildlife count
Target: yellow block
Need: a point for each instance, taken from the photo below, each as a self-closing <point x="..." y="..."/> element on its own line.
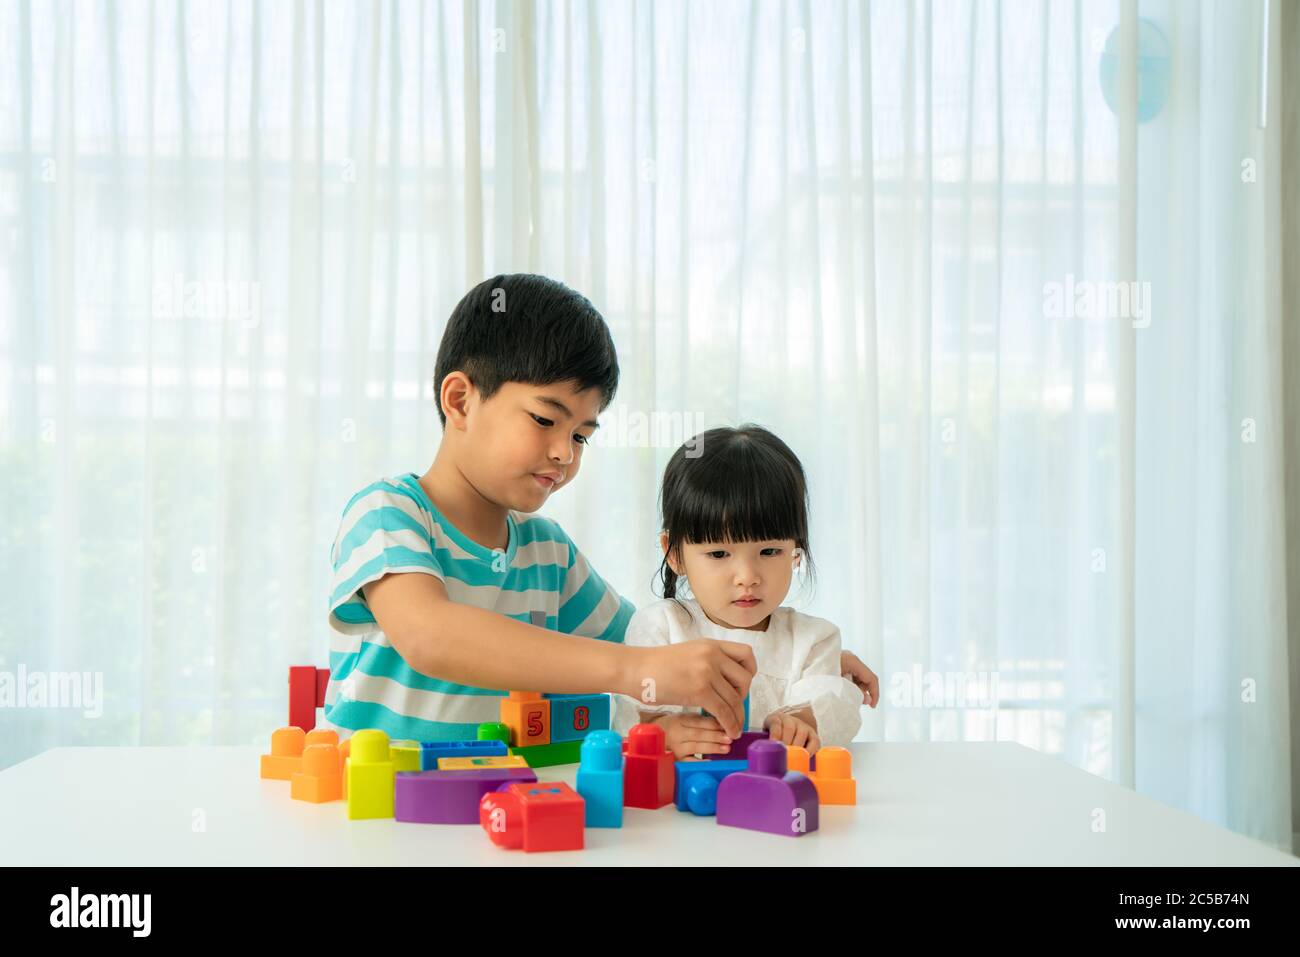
<point x="476" y="764"/>
<point x="405" y="755"/>
<point x="370" y="776"/>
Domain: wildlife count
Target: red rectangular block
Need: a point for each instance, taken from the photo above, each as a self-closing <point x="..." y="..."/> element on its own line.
<point x="302" y="696"/>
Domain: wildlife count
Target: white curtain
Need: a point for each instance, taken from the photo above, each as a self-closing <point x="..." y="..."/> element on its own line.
<point x="887" y="231"/>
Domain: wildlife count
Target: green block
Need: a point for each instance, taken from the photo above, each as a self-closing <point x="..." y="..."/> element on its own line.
<point x="493" y="731"/>
<point x="549" y="755"/>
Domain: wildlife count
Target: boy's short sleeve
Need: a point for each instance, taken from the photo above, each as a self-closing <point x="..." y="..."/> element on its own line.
<point x="588" y="606"/>
<point x="384" y="530"/>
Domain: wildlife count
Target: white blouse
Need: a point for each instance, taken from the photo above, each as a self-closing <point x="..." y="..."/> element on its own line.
<point x="798" y="660"/>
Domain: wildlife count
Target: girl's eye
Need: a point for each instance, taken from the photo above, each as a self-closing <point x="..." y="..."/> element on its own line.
<point x="771" y="551"/>
<point x="716" y="554"/>
<point x="544" y="423"/>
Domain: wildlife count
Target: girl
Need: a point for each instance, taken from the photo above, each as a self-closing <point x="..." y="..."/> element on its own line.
<point x="735" y="527"/>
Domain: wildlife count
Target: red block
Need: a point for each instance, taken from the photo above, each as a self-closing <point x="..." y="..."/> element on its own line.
<point x="302" y="696"/>
<point x="539" y="816"/>
<point x="306" y="694"/>
<point x="647" y="769"/>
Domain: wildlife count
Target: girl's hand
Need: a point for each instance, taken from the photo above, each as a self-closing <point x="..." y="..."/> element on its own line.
<point x="708" y="674"/>
<point x="862" y="676"/>
<point x="790" y="729"/>
<point x="687" y="735"/>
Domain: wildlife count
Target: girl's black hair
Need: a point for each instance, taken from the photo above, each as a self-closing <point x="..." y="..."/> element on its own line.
<point x="732" y="485"/>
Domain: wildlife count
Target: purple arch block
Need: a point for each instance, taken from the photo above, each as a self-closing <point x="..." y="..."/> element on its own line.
<point x="768" y="797"/>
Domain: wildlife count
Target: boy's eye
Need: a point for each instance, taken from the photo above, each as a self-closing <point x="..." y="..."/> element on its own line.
<point x="580" y="438"/>
<point x="544" y="423"/>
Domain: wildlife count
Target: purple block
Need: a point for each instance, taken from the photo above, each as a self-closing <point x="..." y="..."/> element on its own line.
<point x="449" y="797"/>
<point x="767" y="797"/>
<point x="740" y="747"/>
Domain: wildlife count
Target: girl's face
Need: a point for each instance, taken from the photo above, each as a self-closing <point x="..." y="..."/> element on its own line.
<point x="738" y="584"/>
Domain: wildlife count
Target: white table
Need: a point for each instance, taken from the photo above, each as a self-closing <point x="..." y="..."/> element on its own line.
<point x="994" y="803"/>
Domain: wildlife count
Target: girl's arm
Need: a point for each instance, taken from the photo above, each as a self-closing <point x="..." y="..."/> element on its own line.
<point x="456" y="642"/>
<point x="834" y="702"/>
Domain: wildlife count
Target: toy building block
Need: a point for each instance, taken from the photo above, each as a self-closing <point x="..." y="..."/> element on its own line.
<point x="405" y="755"/>
<point x="768" y="797"/>
<point x="321" y="777"/>
<point x="600" y="779"/>
<point x="739" y="750"/>
<point x="574" y="716"/>
<point x="830" y="770"/>
<point x="544" y="816"/>
<point x="285" y="759"/>
<point x="549" y="755"/>
<point x="482" y="762"/>
<point x="370" y="776"/>
<point x="431" y="751"/>
<point x="697" y="784"/>
<point x="528" y="716"/>
<point x="321" y="736"/>
<point x="345" y="748"/>
<point x="306" y="693"/>
<point x="450" y="797"/>
<point x="494" y="731"/>
<point x="647" y="768"/>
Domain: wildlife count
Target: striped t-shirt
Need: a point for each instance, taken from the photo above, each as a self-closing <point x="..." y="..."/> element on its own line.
<point x="392" y="526"/>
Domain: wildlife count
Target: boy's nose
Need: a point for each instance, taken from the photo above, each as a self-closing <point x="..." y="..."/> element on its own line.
<point x="562" y="453"/>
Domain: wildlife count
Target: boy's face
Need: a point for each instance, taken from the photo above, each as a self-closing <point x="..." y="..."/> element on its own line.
<point x="738" y="584"/>
<point x="527" y="441"/>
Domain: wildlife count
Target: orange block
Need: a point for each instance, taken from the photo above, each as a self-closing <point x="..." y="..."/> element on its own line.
<point x="833" y="778"/>
<point x="285" y="759"/>
<point x="344" y="750"/>
<point x="322" y="736"/>
<point x="321" y="778"/>
<point x="528" y="716"/>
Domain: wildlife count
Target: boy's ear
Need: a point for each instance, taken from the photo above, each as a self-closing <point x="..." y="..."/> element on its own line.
<point x="455" y="395"/>
<point x="673" y="562"/>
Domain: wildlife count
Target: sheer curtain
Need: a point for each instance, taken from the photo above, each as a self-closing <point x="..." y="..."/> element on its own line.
<point x="998" y="271"/>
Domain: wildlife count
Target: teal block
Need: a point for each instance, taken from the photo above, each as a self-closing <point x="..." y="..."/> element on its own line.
<point x="573" y="717"/>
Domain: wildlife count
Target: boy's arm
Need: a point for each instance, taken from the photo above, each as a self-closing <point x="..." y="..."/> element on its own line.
<point x="456" y="642"/>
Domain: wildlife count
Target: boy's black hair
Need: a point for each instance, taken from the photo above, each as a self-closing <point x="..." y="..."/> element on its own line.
<point x="733" y="485"/>
<point x="527" y="328"/>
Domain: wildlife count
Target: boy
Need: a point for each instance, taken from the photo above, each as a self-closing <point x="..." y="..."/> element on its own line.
<point x="449" y="573"/>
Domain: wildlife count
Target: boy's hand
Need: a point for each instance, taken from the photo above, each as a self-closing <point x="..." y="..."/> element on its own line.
<point x="708" y="674"/>
<point x="862" y="676"/>
<point x="687" y="735"/>
<point x="792" y="730"/>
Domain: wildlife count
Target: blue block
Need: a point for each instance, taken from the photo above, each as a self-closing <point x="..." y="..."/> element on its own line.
<point x="431" y="751"/>
<point x="574" y="716"/>
<point x="600" y="778"/>
<point x="696" y="786"/>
